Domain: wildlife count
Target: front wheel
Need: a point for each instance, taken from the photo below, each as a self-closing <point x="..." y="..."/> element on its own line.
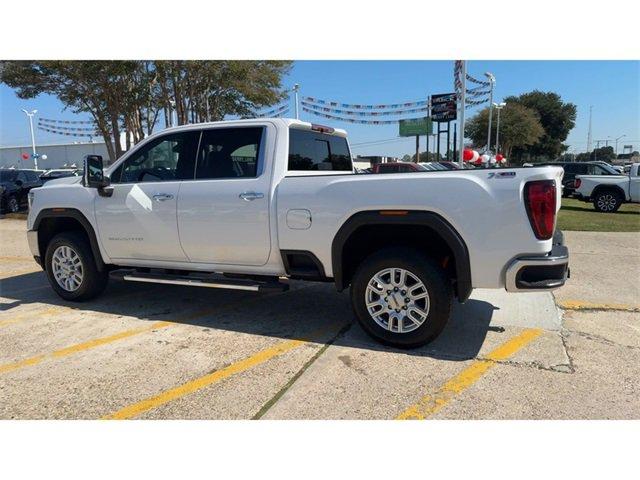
<point x="401" y="297"/>
<point x="607" y="201"/>
<point x="71" y="268"/>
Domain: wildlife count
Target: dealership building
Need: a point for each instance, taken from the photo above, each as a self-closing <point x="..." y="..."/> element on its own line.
<point x="58" y="155"/>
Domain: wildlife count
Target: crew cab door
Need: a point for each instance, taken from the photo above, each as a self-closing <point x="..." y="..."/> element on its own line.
<point x="139" y="220"/>
<point x="223" y="214"/>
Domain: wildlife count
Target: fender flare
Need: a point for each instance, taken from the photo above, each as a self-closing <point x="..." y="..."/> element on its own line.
<point x="428" y="219"/>
<point x="76" y="215"/>
<point x="616" y="188"/>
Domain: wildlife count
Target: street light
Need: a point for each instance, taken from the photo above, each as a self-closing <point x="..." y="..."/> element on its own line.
<point x="498" y="107"/>
<point x="617" y="144"/>
<point x="492" y="82"/>
<point x="33" y="138"/>
<point x="296" y="87"/>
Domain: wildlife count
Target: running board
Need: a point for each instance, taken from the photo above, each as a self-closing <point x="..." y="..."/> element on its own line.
<point x="202" y="280"/>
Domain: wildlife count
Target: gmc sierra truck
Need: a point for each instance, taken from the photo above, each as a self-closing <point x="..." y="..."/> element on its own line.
<point x="249" y="204"/>
<point x="609" y="192"/>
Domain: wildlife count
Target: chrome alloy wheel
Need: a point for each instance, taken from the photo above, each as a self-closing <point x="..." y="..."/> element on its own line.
<point x="607" y="202"/>
<point x="397" y="300"/>
<point x="67" y="268"/>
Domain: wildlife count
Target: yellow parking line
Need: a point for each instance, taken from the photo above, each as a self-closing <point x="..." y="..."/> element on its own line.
<point x="8" y="367"/>
<point x="430" y="404"/>
<point x="100" y="341"/>
<point x="199" y="383"/>
<point x="580" y="305"/>
<point x="27" y="315"/>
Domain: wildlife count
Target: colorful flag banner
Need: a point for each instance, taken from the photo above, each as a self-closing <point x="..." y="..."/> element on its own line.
<point x="366" y="107"/>
<point x="86" y="122"/>
<point x="65" y="128"/>
<point x="365" y="113"/>
<point x="274" y="112"/>
<point x="68" y="134"/>
<point x="350" y="120"/>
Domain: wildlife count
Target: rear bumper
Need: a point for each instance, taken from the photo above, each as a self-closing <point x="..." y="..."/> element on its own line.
<point x="540" y="273"/>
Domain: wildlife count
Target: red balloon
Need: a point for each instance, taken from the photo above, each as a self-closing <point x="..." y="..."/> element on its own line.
<point x="467" y="154"/>
<point x="25" y="156"/>
<point x="478" y="161"/>
<point x="499" y="157"/>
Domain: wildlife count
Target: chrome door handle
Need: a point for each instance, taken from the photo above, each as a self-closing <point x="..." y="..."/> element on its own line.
<point x="250" y="196"/>
<point x="161" y="197"/>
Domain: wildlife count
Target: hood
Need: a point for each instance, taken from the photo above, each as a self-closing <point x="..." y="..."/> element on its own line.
<point x="62" y="181"/>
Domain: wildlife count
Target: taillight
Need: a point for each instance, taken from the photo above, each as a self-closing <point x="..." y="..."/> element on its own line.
<point x="540" y="202"/>
<point x="577" y="183"/>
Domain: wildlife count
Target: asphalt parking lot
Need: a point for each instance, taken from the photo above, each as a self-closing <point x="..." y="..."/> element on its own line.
<point x="166" y="352"/>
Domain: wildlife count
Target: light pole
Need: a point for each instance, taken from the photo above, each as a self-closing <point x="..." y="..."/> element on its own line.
<point x="296" y="87"/>
<point x="617" y="144"/>
<point x="498" y="107"/>
<point x="492" y="82"/>
<point x="33" y="138"/>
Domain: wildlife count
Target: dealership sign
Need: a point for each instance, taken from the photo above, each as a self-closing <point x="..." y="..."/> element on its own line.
<point x="415" y="126"/>
<point x="443" y="107"/>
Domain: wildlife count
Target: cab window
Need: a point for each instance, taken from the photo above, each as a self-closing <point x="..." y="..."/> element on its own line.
<point x="170" y="157"/>
<point x="229" y="153"/>
<point x="315" y="151"/>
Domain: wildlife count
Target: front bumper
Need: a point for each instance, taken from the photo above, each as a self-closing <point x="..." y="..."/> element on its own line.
<point x="540" y="273"/>
<point x="32" y="239"/>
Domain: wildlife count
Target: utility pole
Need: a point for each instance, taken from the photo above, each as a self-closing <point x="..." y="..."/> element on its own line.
<point x="492" y="82"/>
<point x="296" y="87"/>
<point x="617" y="144"/>
<point x="34" y="155"/>
<point x="463" y="91"/>
<point x="589" y="133"/>
<point x="499" y="106"/>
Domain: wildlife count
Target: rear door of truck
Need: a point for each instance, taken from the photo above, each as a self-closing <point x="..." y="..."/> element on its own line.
<point x="223" y="214"/>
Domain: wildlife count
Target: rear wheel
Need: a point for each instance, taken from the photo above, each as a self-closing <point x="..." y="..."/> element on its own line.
<point x="13" y="205"/>
<point x="607" y="201"/>
<point x="401" y="297"/>
<point x="71" y="268"/>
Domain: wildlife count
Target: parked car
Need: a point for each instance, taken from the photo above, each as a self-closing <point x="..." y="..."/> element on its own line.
<point x="451" y="165"/>
<point x="259" y="200"/>
<point x="14" y="187"/>
<point x="609" y="192"/>
<point x="59" y="173"/>
<point x="399" y="167"/>
<point x="433" y="166"/>
<point x="571" y="169"/>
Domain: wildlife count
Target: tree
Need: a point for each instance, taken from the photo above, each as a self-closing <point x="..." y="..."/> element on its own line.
<point x="426" y="157"/>
<point x="128" y="96"/>
<point x="408" y="158"/>
<point x="519" y="127"/>
<point x="556" y="117"/>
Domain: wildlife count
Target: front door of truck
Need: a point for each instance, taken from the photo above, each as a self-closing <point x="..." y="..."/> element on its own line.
<point x="223" y="214"/>
<point x="634" y="183"/>
<point x="139" y="220"/>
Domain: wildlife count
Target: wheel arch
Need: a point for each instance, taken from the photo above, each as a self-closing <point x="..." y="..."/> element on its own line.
<point x="419" y="225"/>
<point x="606" y="188"/>
<point x="51" y="221"/>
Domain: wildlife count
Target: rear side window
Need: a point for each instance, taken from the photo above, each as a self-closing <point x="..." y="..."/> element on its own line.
<point x="229" y="153"/>
<point x="314" y="151"/>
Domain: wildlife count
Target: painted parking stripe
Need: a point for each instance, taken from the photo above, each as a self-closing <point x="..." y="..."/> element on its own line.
<point x="27" y="315"/>
<point x="192" y="386"/>
<point x="580" y="305"/>
<point x="96" y="342"/>
<point x="430" y="404"/>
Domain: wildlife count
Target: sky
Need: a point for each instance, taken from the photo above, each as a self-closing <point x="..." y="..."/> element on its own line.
<point x="611" y="87"/>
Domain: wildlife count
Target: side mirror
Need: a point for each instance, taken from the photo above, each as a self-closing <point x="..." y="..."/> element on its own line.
<point x="93" y="176"/>
<point x="93" y="172"/>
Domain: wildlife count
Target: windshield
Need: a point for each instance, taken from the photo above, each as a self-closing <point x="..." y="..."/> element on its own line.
<point x="8" y="175"/>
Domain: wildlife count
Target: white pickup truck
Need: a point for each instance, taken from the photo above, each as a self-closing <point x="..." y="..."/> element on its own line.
<point x="608" y="192"/>
<point x="248" y="204"/>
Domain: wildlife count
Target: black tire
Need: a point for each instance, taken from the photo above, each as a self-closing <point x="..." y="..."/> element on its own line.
<point x="435" y="281"/>
<point x="13" y="205"/>
<point x="607" y="201"/>
<point x="93" y="281"/>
